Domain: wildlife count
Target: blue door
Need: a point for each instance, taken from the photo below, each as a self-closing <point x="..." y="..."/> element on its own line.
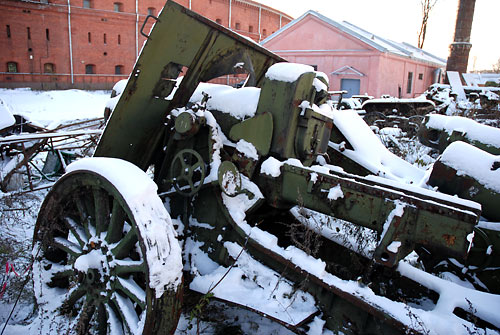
<point x="351" y="86"/>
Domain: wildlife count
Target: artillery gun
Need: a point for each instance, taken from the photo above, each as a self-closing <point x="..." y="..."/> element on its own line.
<point x="236" y="168"/>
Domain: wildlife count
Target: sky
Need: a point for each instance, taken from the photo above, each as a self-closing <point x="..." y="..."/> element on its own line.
<point x="399" y="20"/>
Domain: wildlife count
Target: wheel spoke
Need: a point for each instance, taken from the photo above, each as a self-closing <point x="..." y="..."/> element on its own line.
<point x="102" y="320"/>
<point x="63" y="274"/>
<point x="77" y="231"/>
<point x="85" y="207"/>
<point x="126" y="244"/>
<point x="88" y="203"/>
<point x="196" y="166"/>
<point x="101" y="207"/>
<point x="127" y="312"/>
<point x="83" y="324"/>
<point x="191" y="185"/>
<point x="115" y="228"/>
<point x="124" y="267"/>
<point x="69" y="247"/>
<point x="183" y="162"/>
<point x="82" y="211"/>
<point x="75" y="294"/>
<point x="130" y="288"/>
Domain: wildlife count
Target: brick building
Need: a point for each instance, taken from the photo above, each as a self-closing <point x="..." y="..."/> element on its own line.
<point x="354" y="59"/>
<point x="91" y="44"/>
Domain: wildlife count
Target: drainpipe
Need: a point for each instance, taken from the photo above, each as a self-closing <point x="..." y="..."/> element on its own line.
<point x="281" y="16"/>
<point x="260" y="16"/>
<point x="229" y="25"/>
<point x="136" y="28"/>
<point x="70" y="44"/>
<point x="189" y="4"/>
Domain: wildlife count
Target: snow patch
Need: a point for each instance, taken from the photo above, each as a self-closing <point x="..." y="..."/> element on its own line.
<point x="271" y="167"/>
<point x="287" y="72"/>
<point x="247" y="149"/>
<point x="240" y="103"/>
<point x="474" y="162"/>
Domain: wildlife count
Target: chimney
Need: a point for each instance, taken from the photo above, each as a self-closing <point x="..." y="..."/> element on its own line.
<point x="460" y="48"/>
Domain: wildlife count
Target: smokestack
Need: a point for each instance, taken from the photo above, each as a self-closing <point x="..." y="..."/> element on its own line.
<point x="460" y="48"/>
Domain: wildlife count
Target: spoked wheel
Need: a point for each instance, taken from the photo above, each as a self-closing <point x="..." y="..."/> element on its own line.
<point x="107" y="260"/>
<point x="188" y="171"/>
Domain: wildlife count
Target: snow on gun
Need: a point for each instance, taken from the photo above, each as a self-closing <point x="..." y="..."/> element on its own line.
<point x="242" y="188"/>
<point x="21" y="141"/>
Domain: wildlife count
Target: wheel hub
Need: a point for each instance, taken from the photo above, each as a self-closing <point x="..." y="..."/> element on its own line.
<point x="92" y="269"/>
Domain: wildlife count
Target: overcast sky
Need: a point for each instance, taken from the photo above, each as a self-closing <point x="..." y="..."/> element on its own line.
<point x="399" y="20"/>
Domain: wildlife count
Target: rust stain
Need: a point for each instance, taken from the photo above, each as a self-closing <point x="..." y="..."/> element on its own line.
<point x="450" y="239"/>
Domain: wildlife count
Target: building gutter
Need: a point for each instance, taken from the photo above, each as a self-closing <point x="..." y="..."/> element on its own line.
<point x="260" y="17"/>
<point x="136" y="28"/>
<point x="229" y="25"/>
<point x="70" y="44"/>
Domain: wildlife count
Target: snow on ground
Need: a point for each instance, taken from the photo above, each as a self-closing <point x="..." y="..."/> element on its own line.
<point x="51" y="108"/>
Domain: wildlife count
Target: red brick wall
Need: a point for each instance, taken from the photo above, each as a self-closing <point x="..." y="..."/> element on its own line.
<point x="112" y="37"/>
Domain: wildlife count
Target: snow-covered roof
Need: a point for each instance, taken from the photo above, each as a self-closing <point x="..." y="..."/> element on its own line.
<point x="376" y="42"/>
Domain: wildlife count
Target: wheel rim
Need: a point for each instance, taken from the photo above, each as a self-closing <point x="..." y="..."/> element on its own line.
<point x="91" y="250"/>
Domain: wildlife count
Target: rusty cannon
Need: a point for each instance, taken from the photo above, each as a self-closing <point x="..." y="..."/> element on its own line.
<point x="228" y="192"/>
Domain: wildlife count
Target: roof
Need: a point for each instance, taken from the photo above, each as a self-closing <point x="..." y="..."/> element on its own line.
<point x="376" y="42"/>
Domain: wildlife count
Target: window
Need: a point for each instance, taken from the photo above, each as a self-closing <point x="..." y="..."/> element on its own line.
<point x="48" y="68"/>
<point x="237" y="26"/>
<point x="264" y="32"/>
<point x="250" y="29"/>
<point x="410" y="82"/>
<point x="8" y="31"/>
<point x="104" y="38"/>
<point x="89" y="37"/>
<point x="420" y="76"/>
<point x="12" y="67"/>
<point x="118" y="7"/>
<point x="119" y="69"/>
<point x="219" y="21"/>
<point x="47" y="34"/>
<point x="87" y="4"/>
<point x="90" y="69"/>
<point x="28" y="31"/>
<point x="119" y="39"/>
<point x="151" y="11"/>
<point x="44" y="1"/>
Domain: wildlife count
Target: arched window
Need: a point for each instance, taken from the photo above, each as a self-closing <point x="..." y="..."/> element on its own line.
<point x="119" y="69"/>
<point x="49" y="68"/>
<point x="250" y="29"/>
<point x="118" y="7"/>
<point x="90" y="69"/>
<point x="237" y="26"/>
<point x="151" y="11"/>
<point x="264" y="32"/>
<point x="12" y="67"/>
